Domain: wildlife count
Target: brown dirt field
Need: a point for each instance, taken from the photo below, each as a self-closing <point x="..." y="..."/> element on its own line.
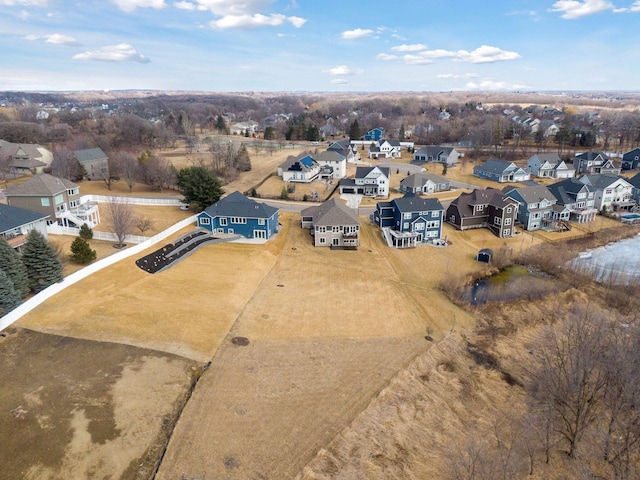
<point x="82" y="409"/>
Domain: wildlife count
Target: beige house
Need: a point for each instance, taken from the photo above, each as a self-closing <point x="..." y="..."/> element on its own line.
<point x="25" y="158"/>
<point x="95" y="163"/>
<point x="57" y="197"/>
<point x="332" y="224"/>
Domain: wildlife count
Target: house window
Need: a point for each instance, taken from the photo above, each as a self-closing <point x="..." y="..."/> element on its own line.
<point x="434" y="224"/>
<point x="322" y="240"/>
<point x="506" y="232"/>
<point x="321" y="229"/>
<point x="507" y="221"/>
<point x="44" y="201"/>
<point x="508" y="209"/>
<point x="223" y="222"/>
<point x="335" y="229"/>
<point x="73" y="204"/>
<point x="405" y="226"/>
<point x="59" y="199"/>
<point x="419" y="226"/>
<point x="205" y="221"/>
<point x="497" y="221"/>
<point x="435" y="214"/>
<point x="406" y="216"/>
<point x="261" y="221"/>
<point x="240" y="220"/>
<point x="480" y="207"/>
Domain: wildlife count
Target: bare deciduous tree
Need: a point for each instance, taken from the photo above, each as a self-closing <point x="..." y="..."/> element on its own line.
<point x="121" y="216"/>
<point x="130" y="168"/>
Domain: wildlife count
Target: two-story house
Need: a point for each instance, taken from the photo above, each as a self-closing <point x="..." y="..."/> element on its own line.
<point x="238" y="215"/>
<point x="612" y="192"/>
<point x="410" y="220"/>
<point x="333" y="165"/>
<point x="631" y="159"/>
<point x="95" y="163"/>
<point x="424" y="183"/>
<point x="374" y="135"/>
<point x="549" y="165"/>
<point x="58" y="198"/>
<point x="385" y="149"/>
<point x="16" y="223"/>
<point x="434" y="153"/>
<point x="369" y="181"/>
<point x="332" y="224"/>
<point x="25" y="158"/>
<point x="535" y="206"/>
<point x="577" y="197"/>
<point x="595" y="163"/>
<point x="345" y="148"/>
<point x="635" y="184"/>
<point x="488" y="208"/>
<point x="501" y="171"/>
<point x="302" y="168"/>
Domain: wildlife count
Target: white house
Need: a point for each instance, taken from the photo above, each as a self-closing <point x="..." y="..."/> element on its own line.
<point x="301" y="168"/>
<point x="369" y="181"/>
<point x="549" y="165"/>
<point x="332" y="164"/>
<point x="611" y="192"/>
<point x="385" y="149"/>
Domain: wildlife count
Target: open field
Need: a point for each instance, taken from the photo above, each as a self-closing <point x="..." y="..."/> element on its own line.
<point x="82" y="409"/>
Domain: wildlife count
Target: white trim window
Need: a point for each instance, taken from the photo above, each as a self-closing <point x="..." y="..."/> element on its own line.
<point x="223" y="221"/>
<point x="205" y="221"/>
<point x="238" y="220"/>
<point x="261" y="221"/>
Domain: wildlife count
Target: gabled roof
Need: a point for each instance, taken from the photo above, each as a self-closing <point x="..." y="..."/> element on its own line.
<point x="566" y="190"/>
<point x="340" y="145"/>
<point x="590" y="156"/>
<point x="552" y="158"/>
<point x="600" y="181"/>
<point x="533" y="194"/>
<point x="631" y="154"/>
<point x="237" y="205"/>
<point x="413" y="203"/>
<point x="303" y="162"/>
<point x="487" y="196"/>
<point x="418" y="180"/>
<point x="89" y="155"/>
<point x="496" y="166"/>
<point x="433" y="150"/>
<point x="635" y="181"/>
<point x="330" y="213"/>
<point x="42" y="185"/>
<point x="33" y="150"/>
<point x="362" y="172"/>
<point x="328" y="157"/>
<point x="14" y="217"/>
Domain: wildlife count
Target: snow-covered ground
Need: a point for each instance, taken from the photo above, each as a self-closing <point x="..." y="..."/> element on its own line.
<point x="617" y="262"/>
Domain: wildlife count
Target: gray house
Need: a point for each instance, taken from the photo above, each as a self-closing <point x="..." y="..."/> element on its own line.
<point x="501" y="171"/>
<point x="536" y="208"/>
<point x="16" y="223"/>
<point x="577" y="197"/>
<point x="424" y="183"/>
<point x="631" y="159"/>
<point x="437" y="154"/>
<point x="594" y="163"/>
<point x="549" y="165"/>
<point x="332" y="224"/>
<point x="95" y="163"/>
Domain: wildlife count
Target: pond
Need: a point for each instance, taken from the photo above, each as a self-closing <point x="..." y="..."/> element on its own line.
<point x="512" y="283"/>
<point x="617" y="263"/>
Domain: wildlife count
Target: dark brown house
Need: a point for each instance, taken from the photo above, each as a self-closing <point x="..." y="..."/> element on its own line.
<point x="488" y="208"/>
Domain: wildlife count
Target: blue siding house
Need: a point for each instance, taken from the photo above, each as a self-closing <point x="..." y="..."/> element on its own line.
<point x="410" y="220"/>
<point x="237" y="214"/>
<point x="374" y="135"/>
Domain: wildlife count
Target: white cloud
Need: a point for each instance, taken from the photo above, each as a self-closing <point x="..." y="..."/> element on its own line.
<point x="635" y="7"/>
<point x="357" y="33"/>
<point x="56" y="39"/>
<point x="483" y="54"/>
<point x="122" y="52"/>
<point x="571" y="9"/>
<point x="343" y="70"/>
<point x="183" y="5"/>
<point x="416" y="47"/>
<point x="256" y="20"/>
<point x="456" y="75"/>
<point x="339" y="81"/>
<point x="131" y="5"/>
<point x="23" y="15"/>
<point x="491" y="85"/>
<point x="26" y="3"/>
<point x="385" y="57"/>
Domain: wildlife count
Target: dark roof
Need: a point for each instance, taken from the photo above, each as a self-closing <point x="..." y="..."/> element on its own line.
<point x="14" y="217"/>
<point x="487" y="196"/>
<point x="592" y="155"/>
<point x="533" y="194"/>
<point x="416" y="180"/>
<point x="600" y="181"/>
<point x="433" y="150"/>
<point x="566" y="190"/>
<point x="89" y="155"/>
<point x="330" y="213"/>
<point x="362" y="172"/>
<point x="631" y="154"/>
<point x="635" y="180"/>
<point x="495" y="166"/>
<point x="413" y="203"/>
<point x="237" y="205"/>
<point x="552" y="158"/>
<point x="339" y="145"/>
<point x="40" y="185"/>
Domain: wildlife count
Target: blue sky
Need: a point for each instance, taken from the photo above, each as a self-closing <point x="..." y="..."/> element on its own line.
<point x="330" y="45"/>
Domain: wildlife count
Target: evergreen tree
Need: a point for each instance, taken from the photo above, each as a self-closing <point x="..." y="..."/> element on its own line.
<point x="401" y="134"/>
<point x="312" y="134"/>
<point x="241" y="161"/>
<point x="269" y="133"/>
<point x="199" y="186"/>
<point x="85" y="232"/>
<point x="9" y="297"/>
<point x="221" y="125"/>
<point x="14" y="268"/>
<point x="43" y="265"/>
<point x="81" y="252"/>
<point x="354" y="131"/>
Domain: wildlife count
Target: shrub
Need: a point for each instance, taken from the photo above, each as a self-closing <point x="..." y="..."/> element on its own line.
<point x="81" y="252"/>
<point x="85" y="232"/>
